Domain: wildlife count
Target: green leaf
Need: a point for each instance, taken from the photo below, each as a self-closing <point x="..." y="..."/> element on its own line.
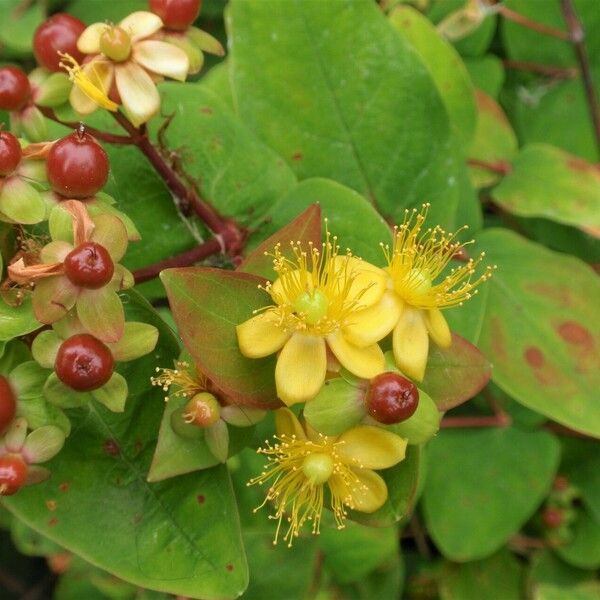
<point x="540" y="329"/>
<point x="340" y="94"/>
<point x="179" y="537"/>
<point x="455" y="374"/>
<point x="343" y="208"/>
<point x="487" y="73"/>
<point x="19" y="22"/>
<point x="547" y="568"/>
<point x="584" y="550"/>
<point x="237" y="173"/>
<point x="207" y="305"/>
<point x="483" y="485"/>
<point x="93" y="12"/>
<point x="583" y="591"/>
<point x="499" y="576"/>
<point x="445" y="66"/>
<point x="16" y="321"/>
<point x="494" y="140"/>
<point x="547" y="182"/>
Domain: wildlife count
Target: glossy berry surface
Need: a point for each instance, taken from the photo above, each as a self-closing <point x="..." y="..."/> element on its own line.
<point x="176" y="14"/>
<point x="89" y="266"/>
<point x="202" y="410"/>
<point x="13" y="474"/>
<point x="15" y="90"/>
<point x="552" y="518"/>
<point x="77" y="166"/>
<point x="392" y="398"/>
<point x="57" y="34"/>
<point x="10" y="153"/>
<point x="8" y="404"/>
<point x="83" y="363"/>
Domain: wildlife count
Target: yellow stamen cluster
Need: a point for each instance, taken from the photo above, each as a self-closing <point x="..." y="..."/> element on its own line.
<point x="419" y="256"/>
<point x="314" y="296"/>
<point x="91" y="86"/>
<point x="188" y="381"/>
<point x="298" y="495"/>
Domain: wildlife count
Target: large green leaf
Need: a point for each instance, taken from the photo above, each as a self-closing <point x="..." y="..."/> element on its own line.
<point x="207" y="305"/>
<point x="547" y="182"/>
<point x="340" y="94"/>
<point x="343" y="208"/>
<point x="482" y="486"/>
<point x="584" y="550"/>
<point x="180" y="537"/>
<point x="541" y="328"/>
<point x="445" y="66"/>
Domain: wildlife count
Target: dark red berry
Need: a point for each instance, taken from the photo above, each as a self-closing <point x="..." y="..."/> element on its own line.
<point x="10" y="153"/>
<point x="392" y="398"/>
<point x="8" y="403"/>
<point x="83" y="363"/>
<point x="13" y="474"/>
<point x="77" y="166"/>
<point x="89" y="266"/>
<point x="552" y="518"/>
<point x="15" y="90"/>
<point x="57" y="34"/>
<point x="176" y="14"/>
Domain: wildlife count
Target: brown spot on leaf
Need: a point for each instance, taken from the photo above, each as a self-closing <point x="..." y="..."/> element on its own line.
<point x="207" y="110"/>
<point x="64" y="486"/>
<point x="111" y="448"/>
<point x="51" y="505"/>
<point x="297" y="156"/>
<point x="557" y="293"/>
<point x="229" y="567"/>
<point x="52" y="522"/>
<point x="138" y="445"/>
<point x="534" y="357"/>
<point x="498" y="339"/>
<point x="574" y="333"/>
<point x="201" y="499"/>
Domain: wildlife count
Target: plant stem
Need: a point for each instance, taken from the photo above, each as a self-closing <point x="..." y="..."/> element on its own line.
<point x="524" y="21"/>
<point x="548" y="70"/>
<point x="104" y="136"/>
<point x="230" y="235"/>
<point x="501" y="167"/>
<point x="185" y="259"/>
<point x="499" y="420"/>
<point x="577" y="36"/>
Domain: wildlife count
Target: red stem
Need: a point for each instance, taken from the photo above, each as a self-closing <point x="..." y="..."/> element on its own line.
<point x="501" y="166"/>
<point x="520" y="19"/>
<point x="548" y="70"/>
<point x="500" y="420"/>
<point x="185" y="259"/>
<point x="104" y="136"/>
<point x="577" y="36"/>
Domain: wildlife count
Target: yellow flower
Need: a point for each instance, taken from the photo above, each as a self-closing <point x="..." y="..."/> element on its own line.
<point x="315" y="296"/>
<point x="301" y="462"/>
<point x="411" y="305"/>
<point x="125" y="55"/>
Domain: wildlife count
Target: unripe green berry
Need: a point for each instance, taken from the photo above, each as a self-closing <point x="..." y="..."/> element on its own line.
<point x="317" y="468"/>
<point x="115" y="44"/>
<point x="313" y="306"/>
<point x="203" y="410"/>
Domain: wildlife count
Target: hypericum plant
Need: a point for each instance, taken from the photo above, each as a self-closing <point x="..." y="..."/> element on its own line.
<point x="294" y="318"/>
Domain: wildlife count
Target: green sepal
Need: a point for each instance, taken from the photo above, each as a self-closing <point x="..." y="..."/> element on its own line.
<point x="101" y="206"/>
<point x="39" y="412"/>
<point x="205" y="41"/>
<point x="193" y="51"/>
<point x="423" y="424"/>
<point x="45" y="347"/>
<point x="60" y="224"/>
<point x="21" y="202"/>
<point x="54" y="90"/>
<point x="336" y="408"/>
<point x="61" y="395"/>
<point x="113" y="394"/>
<point x="27" y="379"/>
<point x="242" y="416"/>
<point x="33" y="125"/>
<point x="43" y="443"/>
<point x="138" y="339"/>
<point x="217" y="440"/>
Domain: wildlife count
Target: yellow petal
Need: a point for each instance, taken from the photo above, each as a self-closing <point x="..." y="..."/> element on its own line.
<point x="372" y="324"/>
<point x="363" y="362"/>
<point x="411" y="343"/>
<point x="162" y="58"/>
<point x="367" y="494"/>
<point x="371" y="447"/>
<point x="138" y="92"/>
<point x="286" y="423"/>
<point x="369" y="282"/>
<point x="260" y="336"/>
<point x="100" y="73"/>
<point x="438" y="328"/>
<point x="89" y="40"/>
<point x="301" y="367"/>
<point x="141" y="24"/>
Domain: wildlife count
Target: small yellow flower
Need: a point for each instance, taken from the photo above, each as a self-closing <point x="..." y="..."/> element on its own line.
<point x="315" y="296"/>
<point x="301" y="462"/>
<point x="128" y="56"/>
<point x="186" y="380"/>
<point x="411" y="305"/>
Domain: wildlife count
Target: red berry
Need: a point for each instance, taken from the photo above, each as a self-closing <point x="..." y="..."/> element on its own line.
<point x="83" y="363"/>
<point x="552" y="518"/>
<point x="89" y="266"/>
<point x="392" y="398"/>
<point x="15" y="90"/>
<point x="10" y="153"/>
<point x="13" y="474"/>
<point x="77" y="166"/>
<point x="8" y="404"/>
<point x="176" y="14"/>
<point x="57" y="34"/>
